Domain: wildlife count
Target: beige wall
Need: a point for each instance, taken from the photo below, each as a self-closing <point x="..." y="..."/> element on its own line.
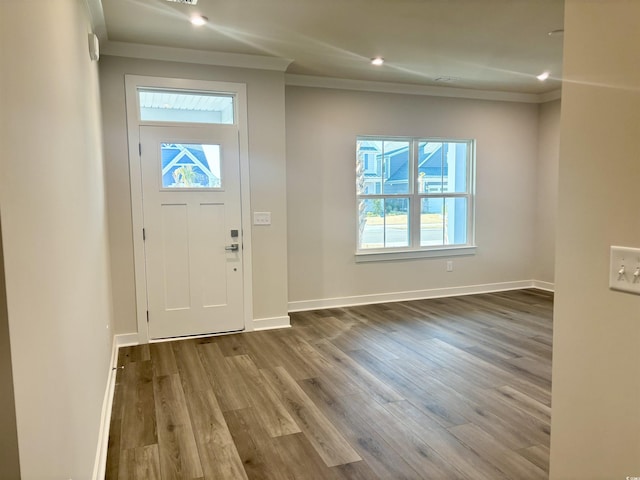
<point x="9" y="460"/>
<point x="265" y="92"/>
<point x="595" y="425"/>
<point x="547" y="190"/>
<point x="54" y="235"/>
<point x="322" y="125"/>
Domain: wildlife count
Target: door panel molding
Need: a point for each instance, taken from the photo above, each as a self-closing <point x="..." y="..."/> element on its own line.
<point x="132" y="83"/>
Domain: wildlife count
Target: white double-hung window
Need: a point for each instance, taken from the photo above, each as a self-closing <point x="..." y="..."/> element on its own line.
<point x="414" y="197"/>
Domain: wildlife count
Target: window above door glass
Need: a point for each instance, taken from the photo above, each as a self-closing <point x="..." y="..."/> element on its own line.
<point x="187" y="165"/>
<point x="179" y="106"/>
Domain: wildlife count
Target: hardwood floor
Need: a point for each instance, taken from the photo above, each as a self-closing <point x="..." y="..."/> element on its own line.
<point x="430" y="389"/>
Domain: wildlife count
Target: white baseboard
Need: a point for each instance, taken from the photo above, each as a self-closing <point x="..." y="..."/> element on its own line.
<point x="304" y="305"/>
<point x="271" y="323"/>
<point x="547" y="286"/>
<point x="124" y="340"/>
<point x="100" y="465"/>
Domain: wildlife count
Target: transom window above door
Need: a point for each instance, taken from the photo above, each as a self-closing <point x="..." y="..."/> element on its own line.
<point x="180" y="106"/>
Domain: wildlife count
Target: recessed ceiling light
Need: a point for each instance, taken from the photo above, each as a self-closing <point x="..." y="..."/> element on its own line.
<point x="198" y="20"/>
<point x="377" y="61"/>
<point x="543" y="76"/>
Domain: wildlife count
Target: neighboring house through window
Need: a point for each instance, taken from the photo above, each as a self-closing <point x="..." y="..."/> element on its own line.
<point x="414" y="195"/>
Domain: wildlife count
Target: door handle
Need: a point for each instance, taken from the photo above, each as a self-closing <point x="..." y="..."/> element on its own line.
<point x="234" y="247"/>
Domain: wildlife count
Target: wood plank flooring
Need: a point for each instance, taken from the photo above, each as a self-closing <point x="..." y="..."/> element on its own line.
<point x="455" y="388"/>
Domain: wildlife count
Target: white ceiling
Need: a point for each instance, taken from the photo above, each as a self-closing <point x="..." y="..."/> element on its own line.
<point x="496" y="45"/>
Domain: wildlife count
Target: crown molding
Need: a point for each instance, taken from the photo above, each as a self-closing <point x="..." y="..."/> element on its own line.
<point x="184" y="55"/>
<point x="410" y="89"/>
<point x="550" y="96"/>
<point x="96" y="17"/>
<point x="261" y="62"/>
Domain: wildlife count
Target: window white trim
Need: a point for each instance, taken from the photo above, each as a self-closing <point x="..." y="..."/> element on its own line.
<point x="415" y="198"/>
<point x="378" y="256"/>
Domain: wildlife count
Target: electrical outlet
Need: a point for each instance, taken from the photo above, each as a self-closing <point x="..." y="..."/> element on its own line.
<point x="624" y="269"/>
<point x="449" y="265"/>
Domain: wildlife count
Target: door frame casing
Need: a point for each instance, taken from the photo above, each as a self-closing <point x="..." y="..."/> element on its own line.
<point x="239" y="90"/>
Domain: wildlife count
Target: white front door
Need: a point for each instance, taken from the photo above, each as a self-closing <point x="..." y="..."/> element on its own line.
<point x="192" y="227"/>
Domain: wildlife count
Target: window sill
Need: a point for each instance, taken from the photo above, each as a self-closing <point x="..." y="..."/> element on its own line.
<point x="362" y="257"/>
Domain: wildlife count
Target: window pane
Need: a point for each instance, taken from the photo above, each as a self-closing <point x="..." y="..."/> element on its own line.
<point x="455" y="221"/>
<point x="190" y="166"/>
<point x="443" y="221"/>
<point x="371" y="214"/>
<point x="188" y="107"/>
<point x="430" y="167"/>
<point x="384" y="223"/>
<point x="431" y="221"/>
<point x="369" y="167"/>
<point x="442" y="167"/>
<point x="396" y="167"/>
<point x="396" y="225"/>
<point x="383" y="167"/>
<point x="455" y="167"/>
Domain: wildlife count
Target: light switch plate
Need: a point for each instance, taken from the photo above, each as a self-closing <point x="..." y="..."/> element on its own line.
<point x="262" y="218"/>
<point x="625" y="261"/>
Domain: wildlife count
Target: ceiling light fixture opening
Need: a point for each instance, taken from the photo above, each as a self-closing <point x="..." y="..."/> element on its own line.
<point x="543" y="76"/>
<point x="446" y="79"/>
<point x="377" y="61"/>
<point x="198" y="20"/>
